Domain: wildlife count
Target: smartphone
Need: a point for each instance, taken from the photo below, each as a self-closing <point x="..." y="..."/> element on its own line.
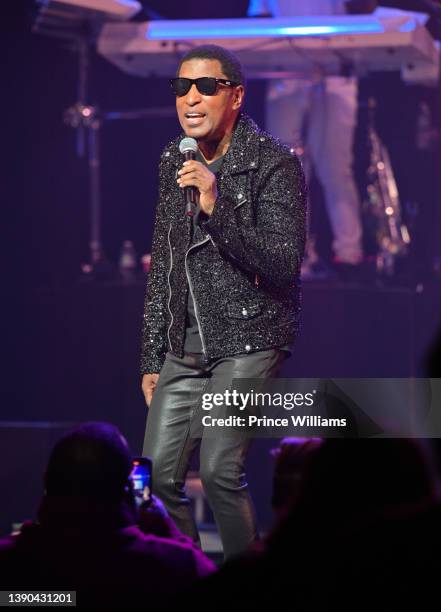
<point x="141" y="477"/>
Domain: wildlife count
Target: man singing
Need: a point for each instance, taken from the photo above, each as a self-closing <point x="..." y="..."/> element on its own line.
<point x="223" y="295"/>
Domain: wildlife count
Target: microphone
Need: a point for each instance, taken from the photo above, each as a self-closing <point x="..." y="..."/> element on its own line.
<point x="188" y="147"/>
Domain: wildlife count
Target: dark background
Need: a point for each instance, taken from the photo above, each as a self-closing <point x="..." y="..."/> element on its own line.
<point x="52" y="190"/>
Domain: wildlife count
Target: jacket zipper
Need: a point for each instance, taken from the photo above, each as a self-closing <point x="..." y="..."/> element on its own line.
<point x="204" y="350"/>
<point x="169" y="289"/>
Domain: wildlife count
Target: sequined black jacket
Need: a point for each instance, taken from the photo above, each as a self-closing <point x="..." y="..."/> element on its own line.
<point x="244" y="266"/>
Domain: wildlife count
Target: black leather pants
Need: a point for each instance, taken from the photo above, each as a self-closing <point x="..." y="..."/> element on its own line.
<point x="171" y="439"/>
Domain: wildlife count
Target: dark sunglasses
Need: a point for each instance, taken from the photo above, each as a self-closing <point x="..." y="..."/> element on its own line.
<point x="206" y="85"/>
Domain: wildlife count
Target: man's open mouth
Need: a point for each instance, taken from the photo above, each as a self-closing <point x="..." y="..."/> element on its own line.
<point x="194" y="119"/>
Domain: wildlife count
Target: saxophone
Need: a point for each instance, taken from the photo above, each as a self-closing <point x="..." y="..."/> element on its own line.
<point x="383" y="203"/>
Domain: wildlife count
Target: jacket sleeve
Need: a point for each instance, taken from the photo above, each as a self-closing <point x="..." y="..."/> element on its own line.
<point x="272" y="245"/>
<point x="155" y="315"/>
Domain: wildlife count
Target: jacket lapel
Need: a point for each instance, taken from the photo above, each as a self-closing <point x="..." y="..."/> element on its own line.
<point x="243" y="152"/>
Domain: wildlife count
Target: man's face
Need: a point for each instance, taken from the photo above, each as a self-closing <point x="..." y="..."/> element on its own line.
<point x="202" y="117"/>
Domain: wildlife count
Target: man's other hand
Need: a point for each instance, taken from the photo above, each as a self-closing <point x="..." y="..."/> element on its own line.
<point x="149" y="382"/>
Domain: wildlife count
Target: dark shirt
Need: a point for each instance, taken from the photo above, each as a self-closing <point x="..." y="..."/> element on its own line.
<point x="193" y="342"/>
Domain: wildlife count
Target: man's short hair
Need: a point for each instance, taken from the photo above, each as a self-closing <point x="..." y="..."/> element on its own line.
<point x="231" y="66"/>
<point x="91" y="461"/>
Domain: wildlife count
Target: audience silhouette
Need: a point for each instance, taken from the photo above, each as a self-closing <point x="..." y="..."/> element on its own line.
<point x="360" y="530"/>
<point x="87" y="536"/>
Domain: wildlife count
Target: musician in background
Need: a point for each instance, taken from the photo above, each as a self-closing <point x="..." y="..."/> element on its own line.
<point x="327" y="107"/>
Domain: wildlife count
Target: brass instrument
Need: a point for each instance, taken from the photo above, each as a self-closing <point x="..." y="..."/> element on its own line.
<point x="383" y="202"/>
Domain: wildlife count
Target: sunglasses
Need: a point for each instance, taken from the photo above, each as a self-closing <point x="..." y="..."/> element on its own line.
<point x="206" y="85"/>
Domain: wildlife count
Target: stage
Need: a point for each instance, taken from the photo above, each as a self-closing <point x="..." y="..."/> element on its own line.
<point x="81" y="363"/>
<point x="84" y="341"/>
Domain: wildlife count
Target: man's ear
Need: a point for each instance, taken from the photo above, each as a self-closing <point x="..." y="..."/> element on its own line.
<point x="239" y="95"/>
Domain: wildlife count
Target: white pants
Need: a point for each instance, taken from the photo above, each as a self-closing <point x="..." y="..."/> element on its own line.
<point x="329" y="109"/>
